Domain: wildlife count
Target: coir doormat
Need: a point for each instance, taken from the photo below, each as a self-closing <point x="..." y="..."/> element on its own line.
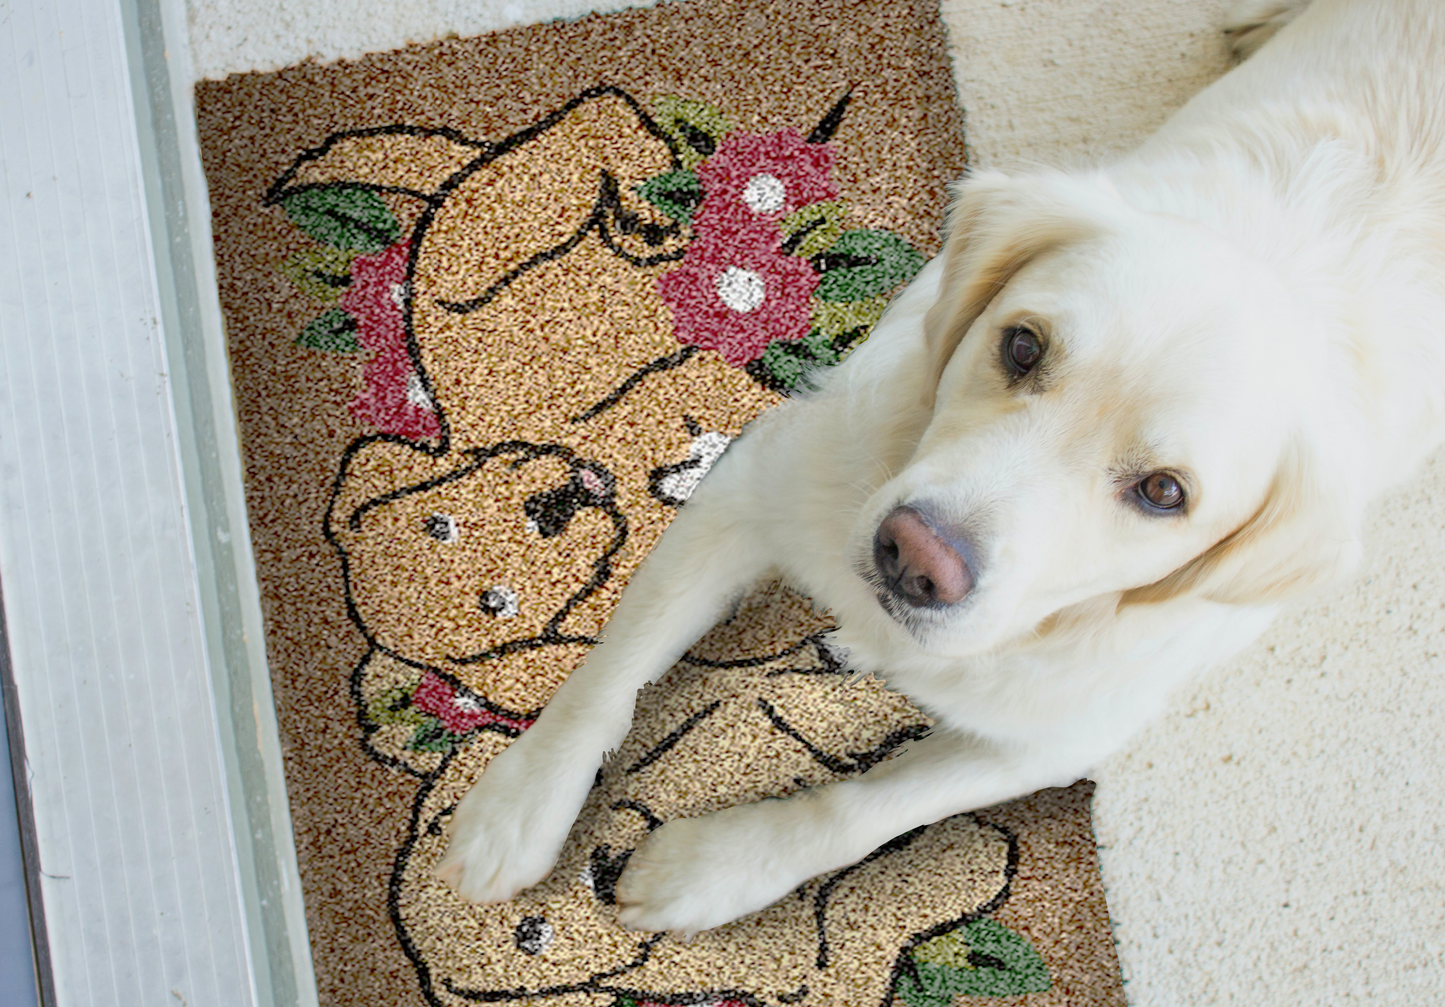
<point x="494" y="306"/>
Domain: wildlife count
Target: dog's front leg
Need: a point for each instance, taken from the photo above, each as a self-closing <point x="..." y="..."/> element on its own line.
<point x="693" y="874"/>
<point x="508" y="830"/>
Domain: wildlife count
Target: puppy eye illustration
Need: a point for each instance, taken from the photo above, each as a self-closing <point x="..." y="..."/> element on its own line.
<point x="1022" y="349"/>
<point x="500" y="601"/>
<point x="442" y="527"/>
<point x="1161" y="491"/>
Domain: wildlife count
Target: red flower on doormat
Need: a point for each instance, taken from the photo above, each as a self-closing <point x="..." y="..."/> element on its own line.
<point x="395" y="400"/>
<point x="459" y="711"/>
<point x="772" y="281"/>
<point x="374" y="297"/>
<point x="768" y="176"/>
<point x="359" y="265"/>
<point x="735" y="292"/>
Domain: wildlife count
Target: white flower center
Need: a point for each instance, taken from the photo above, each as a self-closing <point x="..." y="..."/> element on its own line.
<point x="467" y="704"/>
<point x="398" y="295"/>
<point x="764" y="194"/>
<point x="741" y="289"/>
<point x="416" y="391"/>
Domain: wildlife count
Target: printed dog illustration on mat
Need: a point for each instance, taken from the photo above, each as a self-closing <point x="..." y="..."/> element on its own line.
<point x="441" y="558"/>
<point x="599" y="272"/>
<point x="566" y="332"/>
<point x="750" y="713"/>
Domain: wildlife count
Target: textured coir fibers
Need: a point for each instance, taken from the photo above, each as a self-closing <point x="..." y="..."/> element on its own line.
<point x="493" y="306"/>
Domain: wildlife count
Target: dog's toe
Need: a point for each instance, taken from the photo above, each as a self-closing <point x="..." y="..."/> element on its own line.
<point x="487" y="869"/>
<point x="693" y="874"/>
<point x="1252" y="23"/>
<point x="507" y="831"/>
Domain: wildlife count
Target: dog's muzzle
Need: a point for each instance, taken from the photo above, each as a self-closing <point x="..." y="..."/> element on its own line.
<point x="917" y="565"/>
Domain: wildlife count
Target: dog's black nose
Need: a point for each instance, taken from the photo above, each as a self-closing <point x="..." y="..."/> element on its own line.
<point x="920" y="567"/>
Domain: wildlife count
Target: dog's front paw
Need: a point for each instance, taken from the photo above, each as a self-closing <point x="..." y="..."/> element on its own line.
<point x="507" y="831"/>
<point x="694" y="874"/>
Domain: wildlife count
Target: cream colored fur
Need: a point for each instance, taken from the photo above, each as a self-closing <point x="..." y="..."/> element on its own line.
<point x="1253" y="300"/>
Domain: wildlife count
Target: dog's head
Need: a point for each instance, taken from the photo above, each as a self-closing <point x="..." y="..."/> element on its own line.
<point x="1126" y="409"/>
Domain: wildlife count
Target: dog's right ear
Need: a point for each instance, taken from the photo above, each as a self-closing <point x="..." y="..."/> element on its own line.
<point x="996" y="225"/>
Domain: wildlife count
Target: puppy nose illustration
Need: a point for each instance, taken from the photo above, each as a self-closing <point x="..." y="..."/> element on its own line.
<point x="920" y="567"/>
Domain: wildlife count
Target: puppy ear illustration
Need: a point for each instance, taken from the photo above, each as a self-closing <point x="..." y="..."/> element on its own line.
<point x="405" y="159"/>
<point x="371" y="469"/>
<point x="1304" y="534"/>
<point x="540" y="192"/>
<point x="996" y="226"/>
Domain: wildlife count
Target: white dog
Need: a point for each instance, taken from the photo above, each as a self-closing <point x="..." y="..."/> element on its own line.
<point x="1090" y="451"/>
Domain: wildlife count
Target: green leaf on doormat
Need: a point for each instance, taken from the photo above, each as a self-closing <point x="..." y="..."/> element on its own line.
<point x="322" y="273"/>
<point x="978" y="959"/>
<point x="432" y="736"/>
<point x="332" y="331"/>
<point x="834" y="318"/>
<point x="864" y="264"/>
<point x="696" y="127"/>
<point x="348" y="217"/>
<point x="675" y="193"/>
<point x="813" y="229"/>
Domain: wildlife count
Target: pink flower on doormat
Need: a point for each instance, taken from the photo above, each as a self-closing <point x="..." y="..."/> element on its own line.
<point x="735" y="292"/>
<point x="376" y="295"/>
<point x="395" y="400"/>
<point x="764" y="176"/>
<point x="458" y="711"/>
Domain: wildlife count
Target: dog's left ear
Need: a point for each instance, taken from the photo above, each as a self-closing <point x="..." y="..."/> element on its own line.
<point x="1305" y="534"/>
<point x="997" y="224"/>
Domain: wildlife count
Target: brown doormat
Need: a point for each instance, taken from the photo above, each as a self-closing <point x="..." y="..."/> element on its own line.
<point x="493" y="307"/>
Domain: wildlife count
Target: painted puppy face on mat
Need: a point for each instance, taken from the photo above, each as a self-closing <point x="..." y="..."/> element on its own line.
<point x="442" y="556"/>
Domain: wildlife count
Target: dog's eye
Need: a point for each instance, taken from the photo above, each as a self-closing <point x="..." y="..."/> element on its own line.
<point x="1022" y="349"/>
<point x="1161" y="491"/>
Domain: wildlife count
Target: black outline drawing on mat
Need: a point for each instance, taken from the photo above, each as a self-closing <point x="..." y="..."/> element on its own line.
<point x="597" y="982"/>
<point x="607" y="204"/>
<point x="476" y="459"/>
<point x="905" y="963"/>
<point x="861" y="761"/>
<point x="673" y="737"/>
